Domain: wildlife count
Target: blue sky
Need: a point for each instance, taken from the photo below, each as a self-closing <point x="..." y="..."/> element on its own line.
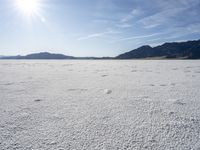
<point x="96" y="27"/>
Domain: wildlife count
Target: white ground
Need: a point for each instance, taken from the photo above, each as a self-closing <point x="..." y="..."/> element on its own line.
<point x="103" y="105"/>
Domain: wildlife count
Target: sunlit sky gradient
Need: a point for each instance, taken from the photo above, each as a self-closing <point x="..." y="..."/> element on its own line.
<point x="96" y="27"/>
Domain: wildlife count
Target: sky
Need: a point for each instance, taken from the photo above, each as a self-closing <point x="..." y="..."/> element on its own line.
<point x="95" y="27"/>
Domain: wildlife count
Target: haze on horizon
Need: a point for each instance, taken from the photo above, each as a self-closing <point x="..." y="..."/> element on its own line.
<point x="94" y="27"/>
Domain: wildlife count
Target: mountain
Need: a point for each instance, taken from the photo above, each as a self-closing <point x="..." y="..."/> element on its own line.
<point x="46" y="55"/>
<point x="187" y="50"/>
<point x="175" y="50"/>
<point x="42" y="55"/>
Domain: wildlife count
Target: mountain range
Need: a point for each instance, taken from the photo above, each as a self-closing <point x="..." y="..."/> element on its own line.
<point x="187" y="50"/>
<point x="42" y="55"/>
<point x="175" y="50"/>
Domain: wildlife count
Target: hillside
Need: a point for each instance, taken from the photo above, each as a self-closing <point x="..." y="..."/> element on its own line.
<point x="42" y="55"/>
<point x="187" y="50"/>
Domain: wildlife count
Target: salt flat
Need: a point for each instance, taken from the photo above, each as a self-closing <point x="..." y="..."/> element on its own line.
<point x="99" y="104"/>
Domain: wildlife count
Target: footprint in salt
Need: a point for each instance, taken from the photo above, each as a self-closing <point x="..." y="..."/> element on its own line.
<point x="107" y="91"/>
<point x="174" y="68"/>
<point x="171" y="113"/>
<point x="104" y="75"/>
<point x="37" y="100"/>
<point x="177" y="101"/>
<point x="163" y="84"/>
<point x="134" y="71"/>
<point x="173" y="84"/>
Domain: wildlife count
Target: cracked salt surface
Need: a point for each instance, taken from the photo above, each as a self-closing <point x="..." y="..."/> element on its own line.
<point x="99" y="105"/>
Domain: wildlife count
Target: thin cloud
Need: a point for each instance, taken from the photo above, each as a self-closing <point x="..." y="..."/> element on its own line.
<point x="138" y="37"/>
<point x="131" y="15"/>
<point x="124" y="25"/>
<point x="159" y="18"/>
<point x="176" y="34"/>
<point x="170" y="11"/>
<point x="92" y="36"/>
<point x="96" y="35"/>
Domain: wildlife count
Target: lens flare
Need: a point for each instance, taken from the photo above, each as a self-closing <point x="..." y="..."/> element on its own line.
<point x="28" y="7"/>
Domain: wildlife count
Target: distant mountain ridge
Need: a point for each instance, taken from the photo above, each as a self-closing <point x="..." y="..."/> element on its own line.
<point x="175" y="50"/>
<point x="47" y="55"/>
<point x="42" y="55"/>
<point x="187" y="50"/>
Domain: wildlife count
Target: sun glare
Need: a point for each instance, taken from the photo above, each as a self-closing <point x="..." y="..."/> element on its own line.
<point x="28" y="7"/>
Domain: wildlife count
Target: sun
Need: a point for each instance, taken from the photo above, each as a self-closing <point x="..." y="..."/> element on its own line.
<point x="28" y="7"/>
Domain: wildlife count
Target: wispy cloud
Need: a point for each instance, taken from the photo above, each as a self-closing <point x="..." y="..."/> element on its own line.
<point x="102" y="21"/>
<point x="169" y="34"/>
<point x="138" y="37"/>
<point x="170" y="12"/>
<point x="160" y="18"/>
<point x="175" y="34"/>
<point x="124" y="21"/>
<point x="124" y="25"/>
<point x="94" y="35"/>
<point x="131" y="15"/>
<point x="97" y="35"/>
<point x="167" y="14"/>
